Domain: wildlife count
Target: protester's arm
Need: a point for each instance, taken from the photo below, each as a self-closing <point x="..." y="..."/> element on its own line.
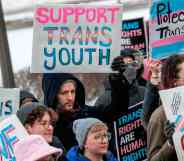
<point x="119" y="93"/>
<point x="151" y="102"/>
<point x="119" y="99"/>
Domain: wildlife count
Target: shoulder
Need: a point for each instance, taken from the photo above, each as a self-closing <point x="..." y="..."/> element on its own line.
<point x="72" y="153"/>
<point x="110" y="157"/>
<point x="158" y="116"/>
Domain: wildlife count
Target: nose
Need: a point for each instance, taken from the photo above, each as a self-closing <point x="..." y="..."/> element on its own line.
<point x="50" y="127"/>
<point x="70" y="96"/>
<point x="104" y="140"/>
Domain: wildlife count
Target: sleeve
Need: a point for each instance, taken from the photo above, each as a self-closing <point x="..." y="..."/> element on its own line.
<point x="158" y="147"/>
<point x="119" y="100"/>
<point x="151" y="102"/>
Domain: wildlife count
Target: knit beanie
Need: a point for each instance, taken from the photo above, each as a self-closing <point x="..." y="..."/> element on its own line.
<point x="25" y="94"/>
<point x="81" y="128"/>
<point x="26" y="109"/>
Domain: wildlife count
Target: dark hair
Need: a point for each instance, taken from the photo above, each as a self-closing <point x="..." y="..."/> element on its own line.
<point x="129" y="52"/>
<point x="38" y="113"/>
<point x="170" y="70"/>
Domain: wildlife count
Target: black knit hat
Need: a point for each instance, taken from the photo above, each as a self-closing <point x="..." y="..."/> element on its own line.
<point x="130" y="53"/>
<point x="25" y="94"/>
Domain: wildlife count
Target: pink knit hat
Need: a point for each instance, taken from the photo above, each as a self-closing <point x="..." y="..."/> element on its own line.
<point x="33" y="148"/>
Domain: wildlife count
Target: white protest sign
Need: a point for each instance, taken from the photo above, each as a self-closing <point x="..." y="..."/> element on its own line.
<point x="173" y="102"/>
<point x="76" y="38"/>
<point x="9" y="101"/>
<point x="11" y="131"/>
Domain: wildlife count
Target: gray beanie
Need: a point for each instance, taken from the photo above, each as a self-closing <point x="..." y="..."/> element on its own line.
<point x="81" y="128"/>
<point x="26" y="109"/>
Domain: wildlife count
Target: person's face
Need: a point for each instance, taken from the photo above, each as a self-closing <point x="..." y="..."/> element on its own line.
<point x="42" y="127"/>
<point x="97" y="141"/>
<point x="66" y="96"/>
<point x="180" y="80"/>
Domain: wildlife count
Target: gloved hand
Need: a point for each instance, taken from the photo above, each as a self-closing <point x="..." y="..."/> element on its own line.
<point x="118" y="80"/>
<point x="169" y="130"/>
<point x="118" y="65"/>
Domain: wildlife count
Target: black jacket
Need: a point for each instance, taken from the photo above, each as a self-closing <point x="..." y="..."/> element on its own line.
<point x="63" y="130"/>
<point x="151" y="102"/>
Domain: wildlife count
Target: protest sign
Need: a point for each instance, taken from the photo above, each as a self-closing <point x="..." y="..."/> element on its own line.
<point x="9" y="101"/>
<point x="166" y="28"/>
<point x="76" y="38"/>
<point x="134" y="35"/>
<point x="173" y="101"/>
<point x="11" y="131"/>
<point x="130" y="135"/>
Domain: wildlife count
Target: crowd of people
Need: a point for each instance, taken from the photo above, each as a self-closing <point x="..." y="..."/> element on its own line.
<point x="70" y="130"/>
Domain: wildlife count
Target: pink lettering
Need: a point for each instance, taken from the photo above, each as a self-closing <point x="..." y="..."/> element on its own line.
<point x="68" y="11"/>
<point x="90" y="14"/>
<point x="78" y="12"/>
<point x="53" y="15"/>
<point x="41" y="15"/>
<point x="101" y="15"/>
<point x="114" y="11"/>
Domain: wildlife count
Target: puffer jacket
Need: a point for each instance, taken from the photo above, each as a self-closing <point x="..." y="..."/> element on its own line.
<point x="75" y="155"/>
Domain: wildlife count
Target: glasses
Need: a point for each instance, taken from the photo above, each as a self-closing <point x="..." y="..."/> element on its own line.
<point x="101" y="137"/>
<point x="46" y="124"/>
<point x="135" y="63"/>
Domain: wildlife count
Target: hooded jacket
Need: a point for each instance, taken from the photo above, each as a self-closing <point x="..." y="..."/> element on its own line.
<point x="74" y="155"/>
<point x="51" y="84"/>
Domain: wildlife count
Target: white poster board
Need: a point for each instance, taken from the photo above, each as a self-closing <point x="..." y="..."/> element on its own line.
<point x="76" y="38"/>
<point x="11" y="131"/>
<point x="173" y="103"/>
<point x="9" y="101"/>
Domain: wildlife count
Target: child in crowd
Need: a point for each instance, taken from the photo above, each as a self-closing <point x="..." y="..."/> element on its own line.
<point x="93" y="139"/>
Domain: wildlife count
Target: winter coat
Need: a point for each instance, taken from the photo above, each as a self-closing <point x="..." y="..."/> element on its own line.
<point x="151" y="102"/>
<point x="105" y="98"/>
<point x="51" y="84"/>
<point x="158" y="147"/>
<point x="75" y="155"/>
<point x="135" y="92"/>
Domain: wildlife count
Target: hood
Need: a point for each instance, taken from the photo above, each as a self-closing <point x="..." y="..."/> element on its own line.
<point x="51" y="83"/>
<point x="74" y="155"/>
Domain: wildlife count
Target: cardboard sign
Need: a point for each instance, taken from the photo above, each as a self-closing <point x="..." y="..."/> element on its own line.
<point x="11" y="131"/>
<point x="130" y="135"/>
<point x="173" y="101"/>
<point x="76" y="38"/>
<point x="166" y="28"/>
<point x="9" y="101"/>
<point x="134" y="35"/>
